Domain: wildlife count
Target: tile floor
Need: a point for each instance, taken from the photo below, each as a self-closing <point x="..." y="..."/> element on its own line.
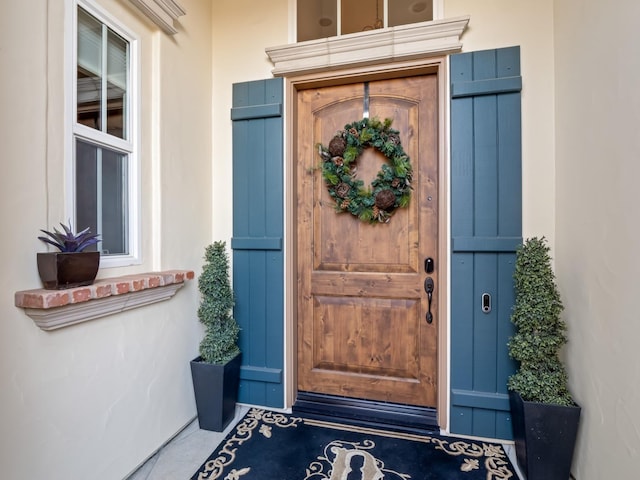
<point x="182" y="456"/>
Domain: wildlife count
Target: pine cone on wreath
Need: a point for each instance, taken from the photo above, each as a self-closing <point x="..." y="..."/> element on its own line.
<point x="337" y="146"/>
<point x="342" y="190"/>
<point x="385" y="199"/>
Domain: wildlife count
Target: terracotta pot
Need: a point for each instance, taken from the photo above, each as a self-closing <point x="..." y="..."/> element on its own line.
<point x="60" y="270"/>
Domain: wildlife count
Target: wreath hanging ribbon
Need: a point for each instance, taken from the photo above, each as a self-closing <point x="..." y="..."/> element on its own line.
<point x="391" y="189"/>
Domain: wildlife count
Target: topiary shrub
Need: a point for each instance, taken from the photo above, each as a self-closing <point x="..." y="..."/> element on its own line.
<point x="219" y="344"/>
<point x="540" y="330"/>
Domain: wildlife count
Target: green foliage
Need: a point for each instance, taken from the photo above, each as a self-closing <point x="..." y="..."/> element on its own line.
<point x="339" y="169"/>
<point x="350" y="154"/>
<point x="366" y="215"/>
<point x="219" y="344"/>
<point x="331" y="178"/>
<point x="404" y="201"/>
<point x="540" y="334"/>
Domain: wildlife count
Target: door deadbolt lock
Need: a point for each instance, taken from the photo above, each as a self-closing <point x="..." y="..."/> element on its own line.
<point x="429" y="265"/>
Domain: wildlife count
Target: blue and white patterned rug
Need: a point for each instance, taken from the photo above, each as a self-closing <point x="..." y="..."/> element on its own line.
<point x="266" y="445"/>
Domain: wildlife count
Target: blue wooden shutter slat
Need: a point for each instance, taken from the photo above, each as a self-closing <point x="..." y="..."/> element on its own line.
<point x="505" y="301"/>
<point x="462" y="168"/>
<point x="256" y="168"/>
<point x="274" y="259"/>
<point x="510" y="188"/>
<point x="485" y="244"/>
<point x="256" y="243"/>
<point x="486" y="226"/>
<point x="258" y="228"/>
<point x="486" y="87"/>
<point x="260" y="111"/>
<point x="262" y="374"/>
<point x="462" y="312"/>
<point x="484" y="400"/>
<point x="484" y="330"/>
<point x="508" y="62"/>
<point x="485" y="206"/>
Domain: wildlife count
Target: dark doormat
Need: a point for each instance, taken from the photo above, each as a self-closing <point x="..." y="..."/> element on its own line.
<point x="266" y="445"/>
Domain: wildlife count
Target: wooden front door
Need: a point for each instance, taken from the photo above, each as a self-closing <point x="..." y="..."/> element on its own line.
<point x="362" y="306"/>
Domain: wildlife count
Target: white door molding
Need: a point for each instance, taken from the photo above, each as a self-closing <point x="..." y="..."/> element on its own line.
<point x="401" y="43"/>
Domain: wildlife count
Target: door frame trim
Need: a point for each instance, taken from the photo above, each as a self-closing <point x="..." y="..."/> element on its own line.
<point x="432" y="65"/>
<point x="378" y="46"/>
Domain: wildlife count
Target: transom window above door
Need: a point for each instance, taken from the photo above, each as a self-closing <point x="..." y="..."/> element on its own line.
<point x="328" y="18"/>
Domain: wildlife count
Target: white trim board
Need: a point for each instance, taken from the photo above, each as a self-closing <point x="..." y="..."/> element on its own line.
<point x="161" y="12"/>
<point x="373" y="47"/>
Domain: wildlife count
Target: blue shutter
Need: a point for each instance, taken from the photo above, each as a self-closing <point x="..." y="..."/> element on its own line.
<point x="486" y="228"/>
<point x="258" y="262"/>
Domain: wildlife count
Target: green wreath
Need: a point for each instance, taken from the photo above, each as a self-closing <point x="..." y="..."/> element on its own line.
<point x="391" y="189"/>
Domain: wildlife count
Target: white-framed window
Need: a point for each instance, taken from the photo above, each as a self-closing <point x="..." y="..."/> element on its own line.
<point x="103" y="187"/>
<point x="328" y="18"/>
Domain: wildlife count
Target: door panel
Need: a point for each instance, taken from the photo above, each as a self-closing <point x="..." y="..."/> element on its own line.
<point x="367" y="353"/>
<point x="362" y="329"/>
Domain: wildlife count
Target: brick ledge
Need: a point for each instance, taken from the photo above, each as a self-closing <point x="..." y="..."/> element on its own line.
<point x="53" y="309"/>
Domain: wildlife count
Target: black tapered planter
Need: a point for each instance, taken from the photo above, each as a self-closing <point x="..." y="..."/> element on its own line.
<point x="216" y="391"/>
<point x="545" y="437"/>
<point x="60" y="270"/>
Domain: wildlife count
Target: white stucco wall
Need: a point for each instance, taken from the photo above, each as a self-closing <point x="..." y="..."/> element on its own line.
<point x="504" y="23"/>
<point x="242" y="29"/>
<point x="597" y="225"/>
<point x="95" y="399"/>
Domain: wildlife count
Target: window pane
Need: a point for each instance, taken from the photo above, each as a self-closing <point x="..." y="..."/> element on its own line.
<point x="117" y="61"/>
<point x="361" y="15"/>
<point x="103" y="59"/>
<point x="316" y="19"/>
<point x="89" y="70"/>
<point x="404" y="12"/>
<point x="101" y="195"/>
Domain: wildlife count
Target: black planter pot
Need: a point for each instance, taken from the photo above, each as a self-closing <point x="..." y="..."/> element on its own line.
<point x="545" y="437"/>
<point x="216" y="392"/>
<point x="59" y="270"/>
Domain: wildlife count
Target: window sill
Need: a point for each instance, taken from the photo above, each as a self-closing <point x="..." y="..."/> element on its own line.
<point x="54" y="309"/>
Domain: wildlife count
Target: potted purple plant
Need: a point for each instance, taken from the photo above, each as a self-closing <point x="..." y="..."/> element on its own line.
<point x="71" y="266"/>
